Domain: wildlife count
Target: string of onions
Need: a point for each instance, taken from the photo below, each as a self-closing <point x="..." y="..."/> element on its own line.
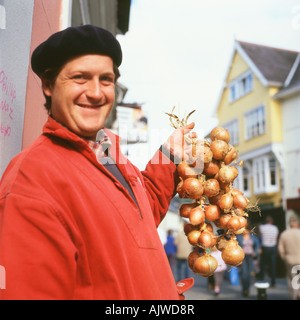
<point x="214" y="201"/>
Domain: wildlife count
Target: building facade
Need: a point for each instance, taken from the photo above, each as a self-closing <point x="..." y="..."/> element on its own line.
<point x="248" y="109"/>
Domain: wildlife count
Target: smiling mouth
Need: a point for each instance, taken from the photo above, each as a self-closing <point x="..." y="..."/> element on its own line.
<point x="89" y="106"/>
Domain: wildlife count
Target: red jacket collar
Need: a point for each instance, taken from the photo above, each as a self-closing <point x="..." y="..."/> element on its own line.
<point x="55" y="129"/>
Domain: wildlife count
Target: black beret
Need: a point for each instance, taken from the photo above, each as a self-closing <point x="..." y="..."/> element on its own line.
<point x="75" y="41"/>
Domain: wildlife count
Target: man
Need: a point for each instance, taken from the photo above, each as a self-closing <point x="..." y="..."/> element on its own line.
<point x="288" y="248"/>
<point x="269" y="235"/>
<point x="77" y="219"/>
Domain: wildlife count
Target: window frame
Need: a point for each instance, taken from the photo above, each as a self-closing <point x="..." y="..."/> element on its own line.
<point x="255" y="122"/>
<point x="241" y="86"/>
<point x="262" y="175"/>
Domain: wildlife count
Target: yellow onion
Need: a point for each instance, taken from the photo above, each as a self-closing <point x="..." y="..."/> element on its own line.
<point x="240" y="201"/>
<point x="212" y="212"/>
<point x="227" y="174"/>
<point x="197" y="216"/>
<point x="221" y="243"/>
<point x="193" y="237"/>
<point x="205" y="265"/>
<point x="231" y="155"/>
<point x="185" y="171"/>
<point x="186" y="208"/>
<point x="233" y="255"/>
<point x="219" y="149"/>
<point x="207" y="239"/>
<point x="211" y="168"/>
<point x="195" y="254"/>
<point x="207" y="154"/>
<point x="211" y="187"/>
<point x="223" y="220"/>
<point x="226" y="201"/>
<point x="220" y="133"/>
<point x="190" y="188"/>
<point x="234" y="223"/>
<point x="215" y="199"/>
<point x="188" y="227"/>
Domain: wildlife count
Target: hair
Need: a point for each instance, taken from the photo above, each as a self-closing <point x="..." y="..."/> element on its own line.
<point x="51" y="76"/>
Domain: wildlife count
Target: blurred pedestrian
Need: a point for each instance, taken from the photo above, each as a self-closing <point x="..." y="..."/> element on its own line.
<point x="250" y="244"/>
<point x="269" y="236"/>
<point x="219" y="272"/>
<point x="183" y="250"/>
<point x="289" y="251"/>
<point x="171" y="249"/>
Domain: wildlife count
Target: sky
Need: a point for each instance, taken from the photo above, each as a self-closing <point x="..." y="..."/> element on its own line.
<point x="177" y="52"/>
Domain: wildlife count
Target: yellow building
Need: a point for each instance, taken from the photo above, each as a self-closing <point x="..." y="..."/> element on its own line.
<point x="246" y="107"/>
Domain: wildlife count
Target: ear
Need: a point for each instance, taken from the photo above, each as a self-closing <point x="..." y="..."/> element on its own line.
<point x="47" y="87"/>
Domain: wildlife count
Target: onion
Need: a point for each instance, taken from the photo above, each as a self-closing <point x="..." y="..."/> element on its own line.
<point x="186" y="208"/>
<point x="219" y="149"/>
<point x="209" y="227"/>
<point x="235" y="191"/>
<point x="225" y="186"/>
<point x="221" y="243"/>
<point x="240" y="201"/>
<point x="212" y="212"/>
<point x="197" y="216"/>
<point x="207" y="239"/>
<point x="205" y="265"/>
<point x="185" y="171"/>
<point x="234" y="223"/>
<point x="239" y="212"/>
<point x="225" y="203"/>
<point x="211" y="168"/>
<point x="188" y="227"/>
<point x="207" y="154"/>
<point x="215" y="199"/>
<point x="239" y="231"/>
<point x="211" y="187"/>
<point x="223" y="221"/>
<point x="227" y="174"/>
<point x="243" y="221"/>
<point x="231" y="155"/>
<point x="220" y="133"/>
<point x="232" y="254"/>
<point x="195" y="254"/>
<point x="193" y="237"/>
<point x="190" y="188"/>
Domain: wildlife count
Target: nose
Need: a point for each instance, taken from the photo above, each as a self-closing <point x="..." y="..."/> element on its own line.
<point x="94" y="90"/>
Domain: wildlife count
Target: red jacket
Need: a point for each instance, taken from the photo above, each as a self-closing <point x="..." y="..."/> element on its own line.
<point x="70" y="230"/>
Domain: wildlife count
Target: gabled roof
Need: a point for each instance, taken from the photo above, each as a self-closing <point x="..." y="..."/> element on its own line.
<point x="274" y="64"/>
<point x="292" y="82"/>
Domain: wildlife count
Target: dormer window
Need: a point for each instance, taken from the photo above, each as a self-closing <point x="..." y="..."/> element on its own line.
<point x="241" y="86"/>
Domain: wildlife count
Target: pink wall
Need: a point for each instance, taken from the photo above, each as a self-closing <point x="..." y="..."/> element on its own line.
<point x="46" y="20"/>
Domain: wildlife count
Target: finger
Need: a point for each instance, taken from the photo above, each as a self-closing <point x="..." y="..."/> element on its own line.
<point x="187" y="128"/>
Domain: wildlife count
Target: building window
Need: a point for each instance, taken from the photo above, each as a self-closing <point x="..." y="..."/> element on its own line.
<point x="265" y="176"/>
<point x="241" y="86"/>
<point x="246" y="180"/>
<point x="272" y="169"/>
<point x="255" y="122"/>
<point x="233" y="129"/>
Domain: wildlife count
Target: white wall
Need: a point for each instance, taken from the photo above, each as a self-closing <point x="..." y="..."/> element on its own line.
<point x="15" y="39"/>
<point x="291" y="141"/>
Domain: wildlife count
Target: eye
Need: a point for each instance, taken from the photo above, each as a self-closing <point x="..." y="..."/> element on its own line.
<point x="79" y="78"/>
<point x="107" y="79"/>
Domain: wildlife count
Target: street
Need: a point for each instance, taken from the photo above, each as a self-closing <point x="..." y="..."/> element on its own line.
<point x="200" y="291"/>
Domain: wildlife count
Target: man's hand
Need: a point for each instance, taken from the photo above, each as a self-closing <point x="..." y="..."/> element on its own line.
<point x="180" y="147"/>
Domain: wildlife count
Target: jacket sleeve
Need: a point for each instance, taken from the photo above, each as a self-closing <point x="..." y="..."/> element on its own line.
<point x="31" y="233"/>
<point x="160" y="179"/>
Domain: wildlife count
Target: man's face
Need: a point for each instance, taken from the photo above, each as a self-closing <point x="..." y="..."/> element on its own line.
<point x="83" y="94"/>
